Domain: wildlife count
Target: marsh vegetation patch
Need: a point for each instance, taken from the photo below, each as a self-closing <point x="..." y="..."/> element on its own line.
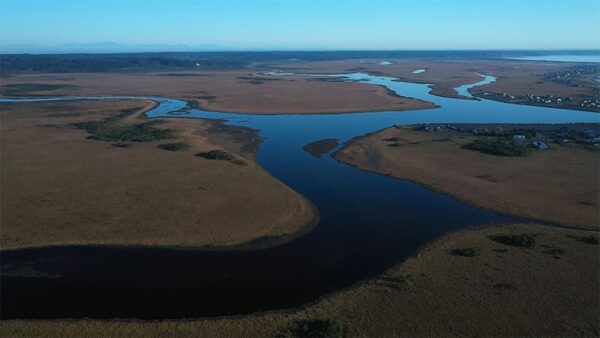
<point x="588" y="240"/>
<point x="27" y="89"/>
<point x="316" y="328"/>
<point x="498" y="146"/>
<point x="521" y="240"/>
<point x="177" y="146"/>
<point x="259" y="78"/>
<point x="464" y="252"/>
<point x="141" y="132"/>
<point x="221" y="155"/>
<point x="112" y="129"/>
<point x="554" y="252"/>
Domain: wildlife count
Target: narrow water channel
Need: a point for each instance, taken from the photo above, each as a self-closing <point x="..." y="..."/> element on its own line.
<point x="368" y="223"/>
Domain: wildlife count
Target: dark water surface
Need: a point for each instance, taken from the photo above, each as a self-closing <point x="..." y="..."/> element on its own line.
<point x="368" y="223"/>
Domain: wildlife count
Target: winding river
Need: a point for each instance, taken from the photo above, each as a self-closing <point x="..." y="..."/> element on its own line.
<point x="368" y="223"/>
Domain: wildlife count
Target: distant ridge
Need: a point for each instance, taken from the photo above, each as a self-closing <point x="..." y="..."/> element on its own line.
<point x="104" y="48"/>
<point x="218" y="60"/>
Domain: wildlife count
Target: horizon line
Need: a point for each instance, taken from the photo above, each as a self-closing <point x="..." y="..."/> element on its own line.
<point x="284" y="50"/>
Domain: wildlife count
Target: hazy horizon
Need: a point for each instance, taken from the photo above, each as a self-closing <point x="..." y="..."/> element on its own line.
<point x="110" y="48"/>
<point x="68" y="26"/>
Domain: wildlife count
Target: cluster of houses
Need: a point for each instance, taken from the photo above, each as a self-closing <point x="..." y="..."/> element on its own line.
<point x="589" y="103"/>
<point x="539" y="144"/>
<point x="570" y="77"/>
<point x="569" y="74"/>
<point x="537" y="137"/>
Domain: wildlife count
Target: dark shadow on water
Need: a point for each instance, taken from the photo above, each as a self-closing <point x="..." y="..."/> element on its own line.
<point x="359" y="236"/>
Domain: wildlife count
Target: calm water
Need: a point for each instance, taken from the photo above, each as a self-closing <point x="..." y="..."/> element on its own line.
<point x="563" y="58"/>
<point x="464" y="90"/>
<point x="368" y="222"/>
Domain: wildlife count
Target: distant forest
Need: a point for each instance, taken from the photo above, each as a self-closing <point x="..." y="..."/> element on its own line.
<point x="131" y="62"/>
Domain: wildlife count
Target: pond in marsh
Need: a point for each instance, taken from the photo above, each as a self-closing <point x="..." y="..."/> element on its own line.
<point x="368" y="223"/>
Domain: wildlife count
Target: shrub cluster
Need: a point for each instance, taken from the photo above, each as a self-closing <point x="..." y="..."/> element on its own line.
<point x="220" y="155"/>
<point x="173" y="146"/>
<point x="498" y="146"/>
<point x="523" y="240"/>
<point x="316" y="328"/>
<point x="110" y="130"/>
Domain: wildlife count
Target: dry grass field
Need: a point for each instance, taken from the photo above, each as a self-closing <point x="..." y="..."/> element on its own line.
<point x="476" y="282"/>
<point x="59" y="187"/>
<point x="253" y="90"/>
<point x="559" y="185"/>
<point x="514" y="77"/>
<point x="243" y="91"/>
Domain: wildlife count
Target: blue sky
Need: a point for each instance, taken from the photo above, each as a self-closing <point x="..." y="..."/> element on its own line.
<point x="305" y="24"/>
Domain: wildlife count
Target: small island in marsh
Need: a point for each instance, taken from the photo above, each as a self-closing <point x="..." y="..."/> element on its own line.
<point x="319" y="148"/>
